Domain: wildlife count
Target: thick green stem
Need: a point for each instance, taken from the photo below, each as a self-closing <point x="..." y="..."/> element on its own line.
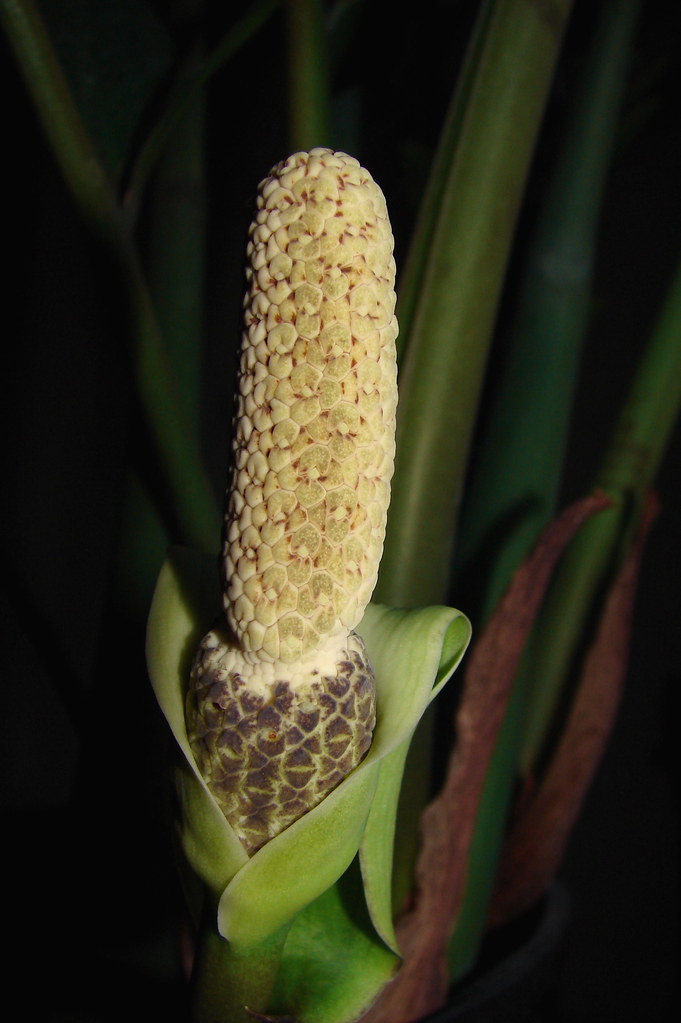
<point x="195" y="506"/>
<point x="411" y="275"/>
<point x="229" y="981"/>
<point x="307" y="75"/>
<point x="520" y="470"/>
<point x="446" y="355"/>
<point x="513" y="493"/>
<point x="450" y="309"/>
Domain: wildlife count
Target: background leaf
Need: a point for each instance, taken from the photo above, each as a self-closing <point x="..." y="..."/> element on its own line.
<point x="73" y="651"/>
<point x="116" y="54"/>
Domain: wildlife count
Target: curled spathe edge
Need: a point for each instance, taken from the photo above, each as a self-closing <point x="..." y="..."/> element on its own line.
<point x="413" y="654"/>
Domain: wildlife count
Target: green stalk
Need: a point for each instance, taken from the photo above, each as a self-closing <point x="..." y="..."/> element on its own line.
<point x="58" y="116"/>
<point x="416" y="780"/>
<point x="520" y="469"/>
<point x="515" y="488"/>
<point x="194" y="503"/>
<point x="195" y="506"/>
<point x="229" y="981"/>
<point x="308" y="102"/>
<point x="175" y="253"/>
<point x="184" y="92"/>
<point x="175" y="262"/>
<point x="446" y="354"/>
<point x="411" y="276"/>
<point x="455" y="275"/>
<point x="627" y="473"/>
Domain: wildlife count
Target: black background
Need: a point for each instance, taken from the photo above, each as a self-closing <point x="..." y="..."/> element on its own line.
<point x="90" y="885"/>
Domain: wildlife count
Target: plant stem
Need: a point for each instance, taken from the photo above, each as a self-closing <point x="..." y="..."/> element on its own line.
<point x="447" y="352"/>
<point x="627" y="473"/>
<point x="175" y="262"/>
<point x="412" y="274"/>
<point x="58" y="116"/>
<point x="175" y="253"/>
<point x="521" y="465"/>
<point x="195" y="506"/>
<point x="194" y="503"/>
<point x="188" y="84"/>
<point x="514" y="490"/>
<point x="228" y="981"/>
<point x="488" y="139"/>
<point x="308" y="103"/>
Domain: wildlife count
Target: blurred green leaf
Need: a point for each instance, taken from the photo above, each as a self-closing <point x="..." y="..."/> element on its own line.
<point x="116" y="54"/>
<point x="194" y="505"/>
<point x="627" y="472"/>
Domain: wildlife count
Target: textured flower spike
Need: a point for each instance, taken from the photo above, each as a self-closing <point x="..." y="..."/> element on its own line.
<point x="281" y="704"/>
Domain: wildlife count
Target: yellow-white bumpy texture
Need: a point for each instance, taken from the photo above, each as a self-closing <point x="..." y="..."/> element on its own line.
<point x="281" y="704"/>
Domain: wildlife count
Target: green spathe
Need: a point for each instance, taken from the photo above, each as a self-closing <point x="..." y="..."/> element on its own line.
<point x="413" y="653"/>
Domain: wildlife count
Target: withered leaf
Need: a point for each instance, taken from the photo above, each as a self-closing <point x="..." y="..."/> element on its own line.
<point x="448" y="822"/>
<point x="540" y="833"/>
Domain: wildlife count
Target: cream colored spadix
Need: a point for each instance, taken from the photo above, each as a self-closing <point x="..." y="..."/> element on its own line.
<point x="281" y="704"/>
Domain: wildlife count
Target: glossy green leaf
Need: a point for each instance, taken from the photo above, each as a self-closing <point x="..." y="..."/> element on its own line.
<point x="413" y="654"/>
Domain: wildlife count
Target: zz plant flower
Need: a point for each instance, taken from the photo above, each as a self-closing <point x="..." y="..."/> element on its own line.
<point x="284" y="778"/>
<point x="331" y="875"/>
<point x="282" y="698"/>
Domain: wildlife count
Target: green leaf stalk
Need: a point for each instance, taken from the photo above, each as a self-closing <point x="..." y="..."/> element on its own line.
<point x="319" y="923"/>
<point x="515" y="488"/>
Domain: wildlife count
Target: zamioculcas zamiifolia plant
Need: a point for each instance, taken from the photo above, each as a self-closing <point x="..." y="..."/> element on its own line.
<point x="282" y="701"/>
<point x="344" y="847"/>
<point x="287" y="686"/>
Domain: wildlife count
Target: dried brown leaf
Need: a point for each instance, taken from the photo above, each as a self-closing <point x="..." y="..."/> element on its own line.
<point x="540" y="833"/>
<point x="448" y="823"/>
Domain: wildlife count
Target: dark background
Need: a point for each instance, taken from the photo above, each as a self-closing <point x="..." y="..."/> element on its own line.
<point x="91" y="891"/>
